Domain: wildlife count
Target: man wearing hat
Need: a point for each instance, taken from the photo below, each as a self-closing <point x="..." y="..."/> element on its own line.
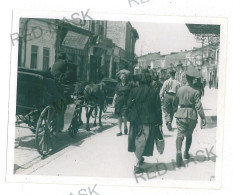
<point x="188" y="100"/>
<point x="60" y="69"/>
<point x="167" y="95"/>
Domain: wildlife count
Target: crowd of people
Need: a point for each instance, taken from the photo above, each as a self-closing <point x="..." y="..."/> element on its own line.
<point x="141" y="103"/>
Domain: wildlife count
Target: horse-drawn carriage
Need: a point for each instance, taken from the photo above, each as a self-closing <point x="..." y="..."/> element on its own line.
<point x="42" y="101"/>
<point x="41" y="104"/>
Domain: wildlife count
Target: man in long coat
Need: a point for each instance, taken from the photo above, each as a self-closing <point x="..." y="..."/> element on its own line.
<point x="145" y="117"/>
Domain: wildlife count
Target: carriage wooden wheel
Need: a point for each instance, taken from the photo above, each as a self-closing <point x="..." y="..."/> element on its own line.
<point x="46" y="127"/>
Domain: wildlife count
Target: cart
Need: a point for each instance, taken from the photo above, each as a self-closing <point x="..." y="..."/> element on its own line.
<point x="41" y="104"/>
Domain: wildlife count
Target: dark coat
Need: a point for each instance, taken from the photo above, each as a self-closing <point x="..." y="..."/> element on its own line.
<point x="144" y="105"/>
<point x="64" y="71"/>
<point x="59" y="67"/>
<point x="122" y="96"/>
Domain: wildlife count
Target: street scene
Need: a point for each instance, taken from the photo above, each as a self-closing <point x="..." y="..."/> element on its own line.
<point x="117" y="99"/>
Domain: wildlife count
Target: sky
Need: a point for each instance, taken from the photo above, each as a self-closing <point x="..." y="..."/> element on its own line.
<point x="164" y="38"/>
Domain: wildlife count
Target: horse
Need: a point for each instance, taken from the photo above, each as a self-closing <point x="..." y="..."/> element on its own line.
<point x="89" y="95"/>
<point x="94" y="95"/>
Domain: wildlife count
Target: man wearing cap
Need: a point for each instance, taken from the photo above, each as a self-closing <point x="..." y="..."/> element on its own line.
<point x="167" y="95"/>
<point x="187" y="103"/>
<point x="60" y="69"/>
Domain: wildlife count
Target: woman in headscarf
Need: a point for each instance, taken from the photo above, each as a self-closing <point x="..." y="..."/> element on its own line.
<point x="120" y="101"/>
<point x="145" y="118"/>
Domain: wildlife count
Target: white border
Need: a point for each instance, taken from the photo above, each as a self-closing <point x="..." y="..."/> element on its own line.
<point x="10" y="177"/>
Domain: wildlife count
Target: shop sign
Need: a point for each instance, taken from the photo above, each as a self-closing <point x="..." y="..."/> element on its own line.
<point x="75" y="40"/>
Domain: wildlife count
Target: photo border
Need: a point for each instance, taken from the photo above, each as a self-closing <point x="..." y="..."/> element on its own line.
<point x="10" y="177"/>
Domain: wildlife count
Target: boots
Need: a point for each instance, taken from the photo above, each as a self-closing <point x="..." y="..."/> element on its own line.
<point x="179" y="159"/>
<point x="125" y="130"/>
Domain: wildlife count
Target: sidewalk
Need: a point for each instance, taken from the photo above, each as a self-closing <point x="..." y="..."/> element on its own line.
<point x="26" y="154"/>
<point x="106" y="155"/>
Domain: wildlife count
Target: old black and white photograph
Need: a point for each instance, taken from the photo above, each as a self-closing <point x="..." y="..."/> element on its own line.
<point x="120" y="100"/>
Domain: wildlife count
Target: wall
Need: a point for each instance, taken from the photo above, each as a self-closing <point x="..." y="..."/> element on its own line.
<point x="116" y="30"/>
<point x="41" y="37"/>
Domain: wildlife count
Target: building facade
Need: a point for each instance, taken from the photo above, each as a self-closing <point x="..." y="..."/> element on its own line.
<point x="37" y="44"/>
<point x="205" y="59"/>
<point x="124" y="36"/>
<point x="95" y="48"/>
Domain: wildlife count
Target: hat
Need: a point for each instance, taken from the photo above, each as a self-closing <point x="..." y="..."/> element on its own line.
<point x="192" y="72"/>
<point x="145" y="76"/>
<point x="172" y="72"/>
<point x="123" y="71"/>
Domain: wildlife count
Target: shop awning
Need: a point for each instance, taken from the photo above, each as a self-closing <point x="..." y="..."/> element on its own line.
<point x="203" y="29"/>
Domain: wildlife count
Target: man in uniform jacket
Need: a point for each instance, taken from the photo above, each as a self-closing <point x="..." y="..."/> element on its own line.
<point x="188" y="100"/>
<point x="145" y="117"/>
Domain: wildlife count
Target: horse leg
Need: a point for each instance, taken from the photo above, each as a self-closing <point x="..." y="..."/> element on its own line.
<point x="88" y="114"/>
<point x="95" y="114"/>
<point x="100" y="115"/>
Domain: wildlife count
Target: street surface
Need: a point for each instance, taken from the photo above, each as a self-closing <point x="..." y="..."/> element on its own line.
<point x="100" y="153"/>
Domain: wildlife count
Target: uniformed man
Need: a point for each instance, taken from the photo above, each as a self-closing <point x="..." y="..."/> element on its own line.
<point x="167" y="95"/>
<point x="188" y="100"/>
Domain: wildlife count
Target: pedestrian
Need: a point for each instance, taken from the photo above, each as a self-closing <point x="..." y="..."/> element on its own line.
<point x="167" y="95"/>
<point x="120" y="101"/>
<point x="145" y="118"/>
<point x="188" y="100"/>
<point x="210" y="83"/>
<point x="156" y="83"/>
<point x="199" y="86"/>
<point x="204" y="83"/>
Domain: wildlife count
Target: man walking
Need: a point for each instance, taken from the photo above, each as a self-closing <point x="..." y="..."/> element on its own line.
<point x="167" y="95"/>
<point x="188" y="100"/>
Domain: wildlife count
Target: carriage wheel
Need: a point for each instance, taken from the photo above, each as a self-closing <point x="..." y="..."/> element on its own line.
<point x="75" y="123"/>
<point x="45" y="127"/>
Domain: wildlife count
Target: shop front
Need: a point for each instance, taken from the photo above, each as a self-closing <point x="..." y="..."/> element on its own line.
<point x="74" y="41"/>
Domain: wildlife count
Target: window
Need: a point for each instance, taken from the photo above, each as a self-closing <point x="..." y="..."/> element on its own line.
<point x="34" y="56"/>
<point x="46" y="52"/>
